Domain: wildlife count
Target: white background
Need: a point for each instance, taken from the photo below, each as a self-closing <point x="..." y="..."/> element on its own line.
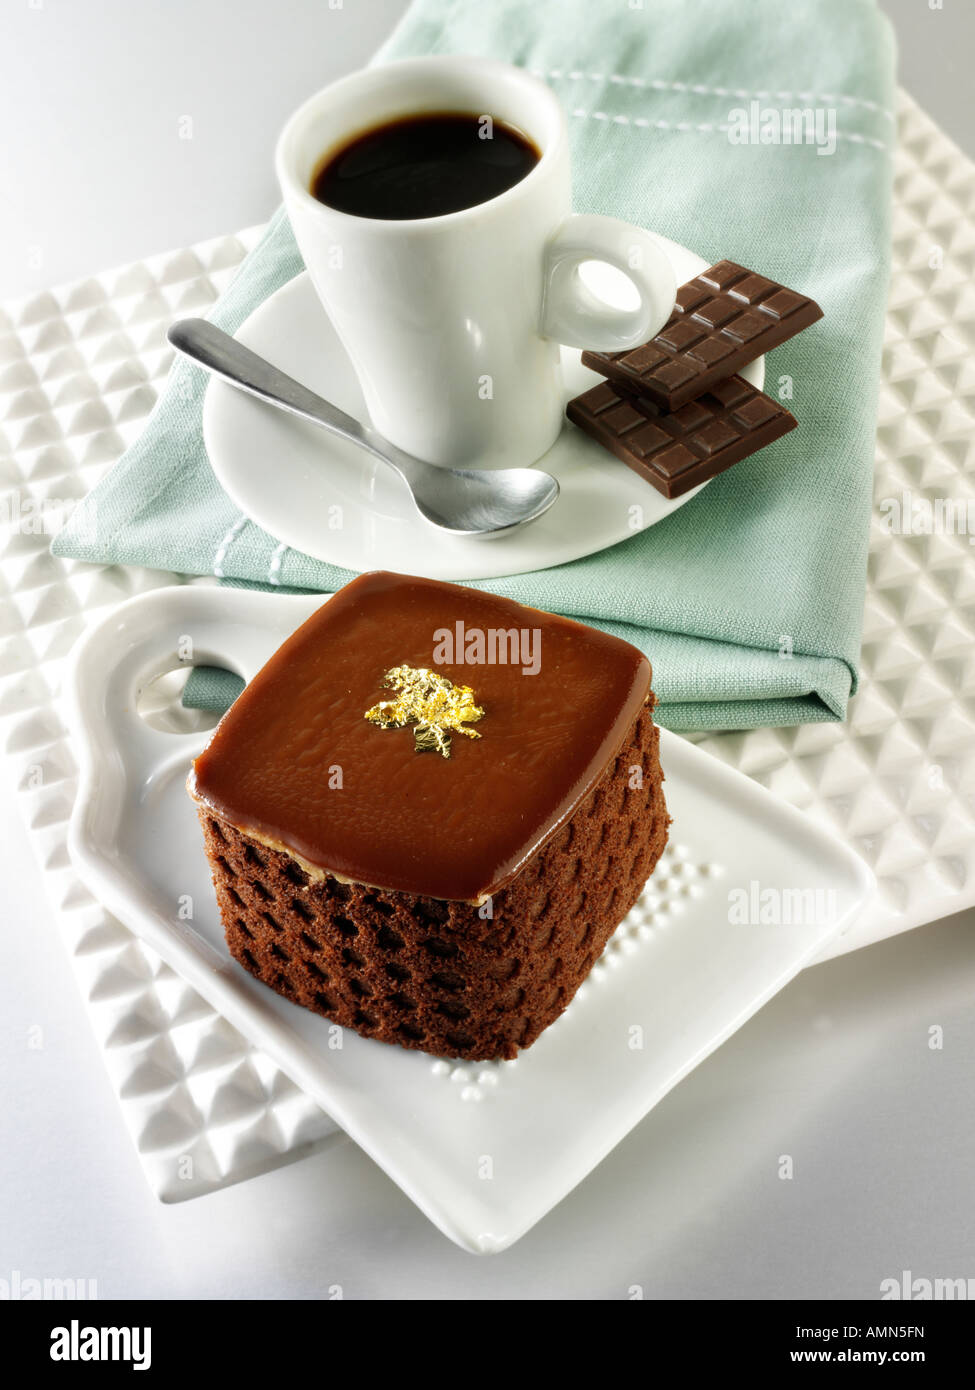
<point x="836" y="1072"/>
<point x="93" y="172"/>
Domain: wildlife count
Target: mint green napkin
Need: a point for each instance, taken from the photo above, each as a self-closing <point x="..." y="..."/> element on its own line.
<point x="747" y="600"/>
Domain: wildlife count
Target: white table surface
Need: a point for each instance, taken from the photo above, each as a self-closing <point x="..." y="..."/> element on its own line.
<point x="837" y="1072"/>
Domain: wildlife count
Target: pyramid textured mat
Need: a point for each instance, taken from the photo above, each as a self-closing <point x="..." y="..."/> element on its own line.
<point x="80" y="368"/>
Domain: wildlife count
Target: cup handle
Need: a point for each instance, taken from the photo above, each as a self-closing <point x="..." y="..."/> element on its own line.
<point x="573" y="315"/>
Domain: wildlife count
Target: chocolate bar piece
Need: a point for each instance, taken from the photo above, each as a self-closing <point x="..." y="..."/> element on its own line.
<point x="676" y="450"/>
<point x="724" y="318"/>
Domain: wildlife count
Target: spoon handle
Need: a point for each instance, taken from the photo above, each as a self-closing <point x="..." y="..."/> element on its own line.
<point x="464" y="502"/>
<point x="223" y="355"/>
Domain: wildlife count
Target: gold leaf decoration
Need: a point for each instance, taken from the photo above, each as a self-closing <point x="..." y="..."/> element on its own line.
<point x="431" y="703"/>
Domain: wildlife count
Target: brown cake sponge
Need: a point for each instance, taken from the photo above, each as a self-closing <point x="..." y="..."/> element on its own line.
<point x="443" y="976"/>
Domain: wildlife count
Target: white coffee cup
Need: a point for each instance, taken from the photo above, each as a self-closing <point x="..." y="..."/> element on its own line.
<point x="452" y="323"/>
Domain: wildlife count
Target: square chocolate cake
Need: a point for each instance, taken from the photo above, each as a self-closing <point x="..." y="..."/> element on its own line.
<point x="428" y="812"/>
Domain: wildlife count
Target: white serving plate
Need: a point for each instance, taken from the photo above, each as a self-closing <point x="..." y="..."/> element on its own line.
<point x="484" y="1150"/>
<point x="321" y="495"/>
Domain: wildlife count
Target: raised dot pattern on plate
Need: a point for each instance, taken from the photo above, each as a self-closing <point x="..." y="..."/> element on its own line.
<point x="676" y="878"/>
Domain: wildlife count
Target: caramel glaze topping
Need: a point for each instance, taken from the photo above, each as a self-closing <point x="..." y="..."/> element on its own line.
<point x="294" y="762"/>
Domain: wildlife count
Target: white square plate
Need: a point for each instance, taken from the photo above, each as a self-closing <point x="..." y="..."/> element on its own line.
<point x="485" y="1150"/>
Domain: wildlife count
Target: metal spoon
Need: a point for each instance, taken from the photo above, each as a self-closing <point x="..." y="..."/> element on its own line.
<point x="464" y="501"/>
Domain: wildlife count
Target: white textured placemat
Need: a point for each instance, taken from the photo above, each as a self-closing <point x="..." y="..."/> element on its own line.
<point x="80" y="369"/>
<point x="897" y="780"/>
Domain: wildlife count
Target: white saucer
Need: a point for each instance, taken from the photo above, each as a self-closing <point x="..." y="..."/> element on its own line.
<point x="325" y="497"/>
<point x="679" y="976"/>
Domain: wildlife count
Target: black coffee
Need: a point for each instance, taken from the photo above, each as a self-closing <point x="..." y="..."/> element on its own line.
<point x="425" y="166"/>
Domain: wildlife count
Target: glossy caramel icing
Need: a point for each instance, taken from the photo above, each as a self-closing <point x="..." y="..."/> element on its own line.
<point x="296" y="762"/>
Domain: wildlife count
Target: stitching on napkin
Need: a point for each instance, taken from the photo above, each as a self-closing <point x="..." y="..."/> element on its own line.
<point x="658" y="84"/>
<point x="645" y="123"/>
<point x="225" y="545"/>
<point x="274" y="569"/>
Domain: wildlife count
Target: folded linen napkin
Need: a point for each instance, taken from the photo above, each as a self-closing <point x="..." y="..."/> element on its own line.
<point x="748" y="600"/>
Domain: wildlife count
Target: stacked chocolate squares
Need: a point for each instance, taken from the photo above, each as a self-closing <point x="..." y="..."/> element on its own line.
<point x="674" y="409"/>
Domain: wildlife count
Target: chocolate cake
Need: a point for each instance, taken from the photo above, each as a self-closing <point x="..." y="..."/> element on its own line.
<point x="430" y="810"/>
